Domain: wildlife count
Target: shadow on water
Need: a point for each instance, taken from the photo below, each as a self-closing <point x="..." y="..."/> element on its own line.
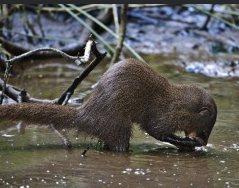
<point x="37" y="159"/>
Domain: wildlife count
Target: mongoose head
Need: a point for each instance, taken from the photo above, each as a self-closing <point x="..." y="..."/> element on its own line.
<point x="197" y="113"/>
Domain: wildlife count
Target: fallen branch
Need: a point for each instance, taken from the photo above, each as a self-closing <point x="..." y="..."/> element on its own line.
<point x="78" y="60"/>
<point x="21" y="95"/>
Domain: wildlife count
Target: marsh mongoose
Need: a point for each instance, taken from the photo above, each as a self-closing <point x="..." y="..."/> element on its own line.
<point x="130" y="92"/>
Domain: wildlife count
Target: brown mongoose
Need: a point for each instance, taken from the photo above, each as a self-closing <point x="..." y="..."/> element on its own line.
<point x="130" y="92"/>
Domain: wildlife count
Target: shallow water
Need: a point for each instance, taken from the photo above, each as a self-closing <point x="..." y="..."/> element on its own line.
<point x="37" y="159"/>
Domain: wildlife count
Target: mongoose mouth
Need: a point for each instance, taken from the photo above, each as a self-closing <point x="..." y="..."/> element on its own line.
<point x="189" y="142"/>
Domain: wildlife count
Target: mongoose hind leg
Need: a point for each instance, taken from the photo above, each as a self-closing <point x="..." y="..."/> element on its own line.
<point x="119" y="147"/>
<point x="119" y="139"/>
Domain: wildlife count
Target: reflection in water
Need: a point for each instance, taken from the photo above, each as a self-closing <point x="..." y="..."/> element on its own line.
<point x="37" y="159"/>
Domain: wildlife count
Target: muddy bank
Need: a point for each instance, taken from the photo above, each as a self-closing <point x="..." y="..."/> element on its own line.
<point x="172" y="32"/>
<point x="176" y="35"/>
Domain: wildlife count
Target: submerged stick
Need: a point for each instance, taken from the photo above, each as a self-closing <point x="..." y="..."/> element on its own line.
<point x="84" y="152"/>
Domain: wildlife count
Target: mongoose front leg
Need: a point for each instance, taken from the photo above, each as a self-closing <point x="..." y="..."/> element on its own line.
<point x="63" y="136"/>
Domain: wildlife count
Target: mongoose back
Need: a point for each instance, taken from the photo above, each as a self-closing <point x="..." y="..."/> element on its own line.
<point x="130" y="92"/>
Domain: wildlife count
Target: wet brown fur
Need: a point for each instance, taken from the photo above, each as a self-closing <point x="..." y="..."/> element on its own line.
<point x="129" y="92"/>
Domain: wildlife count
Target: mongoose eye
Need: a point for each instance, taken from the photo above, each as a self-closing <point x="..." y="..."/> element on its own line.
<point x="204" y="111"/>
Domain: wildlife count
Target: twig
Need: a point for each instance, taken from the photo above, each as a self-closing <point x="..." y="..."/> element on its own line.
<point x="122" y="31"/>
<point x="204" y="27"/>
<point x="78" y="60"/>
<point x="8" y="67"/>
<point x="86" y="56"/>
<point x="70" y="90"/>
<point x="31" y="27"/>
<point x="84" y="152"/>
<point x="10" y="91"/>
<point x="116" y="18"/>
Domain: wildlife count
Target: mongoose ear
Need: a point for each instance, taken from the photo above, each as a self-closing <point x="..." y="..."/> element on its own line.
<point x="204" y="111"/>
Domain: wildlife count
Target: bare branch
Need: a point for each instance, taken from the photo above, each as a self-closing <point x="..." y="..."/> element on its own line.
<point x="70" y="90"/>
<point x="86" y="56"/>
<point x="76" y="59"/>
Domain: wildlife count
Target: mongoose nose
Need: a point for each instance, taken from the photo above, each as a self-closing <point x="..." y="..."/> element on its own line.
<point x="201" y="141"/>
